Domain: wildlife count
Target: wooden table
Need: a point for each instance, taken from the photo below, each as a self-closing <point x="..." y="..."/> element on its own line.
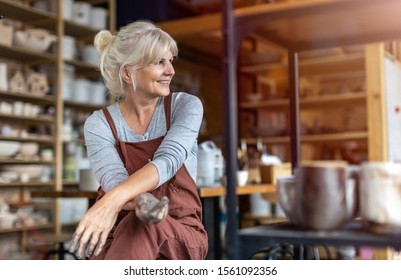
<point x="212" y="213"/>
<point x="248" y="189"/>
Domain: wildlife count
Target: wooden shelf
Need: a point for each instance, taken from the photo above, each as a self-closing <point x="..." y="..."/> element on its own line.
<point x="309" y="102"/>
<point x="27" y="14"/>
<point x="266" y="140"/>
<point x="23" y="161"/>
<point x="84" y="69"/>
<point x="46" y="100"/>
<point x="329" y="100"/>
<point x="278" y="104"/>
<point x="29" y="184"/>
<point x="79" y="31"/>
<point x="245" y="190"/>
<point x="298" y="25"/>
<point x="82" y="66"/>
<point x="313" y="66"/>
<point x="38" y="119"/>
<point x="25" y="55"/>
<point x="70" y="194"/>
<point x="13" y="230"/>
<point x="344" y="136"/>
<point x="70" y="183"/>
<point x="331" y="137"/>
<point x="76" y="141"/>
<point x="39" y="139"/>
<point x="83" y="106"/>
<point x="315" y="24"/>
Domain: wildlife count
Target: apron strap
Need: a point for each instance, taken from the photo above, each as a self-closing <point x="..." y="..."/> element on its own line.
<point x="120" y="146"/>
<point x="110" y="121"/>
<point x="167" y="109"/>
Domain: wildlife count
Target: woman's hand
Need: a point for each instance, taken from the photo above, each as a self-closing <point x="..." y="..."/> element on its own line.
<point x="92" y="231"/>
<point x="151" y="210"/>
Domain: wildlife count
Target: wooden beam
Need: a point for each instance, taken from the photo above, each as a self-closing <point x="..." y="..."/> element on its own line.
<point x="376" y="99"/>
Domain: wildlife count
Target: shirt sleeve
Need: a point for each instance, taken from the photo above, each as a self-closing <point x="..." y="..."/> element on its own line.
<point x="186" y="119"/>
<point x="104" y="159"/>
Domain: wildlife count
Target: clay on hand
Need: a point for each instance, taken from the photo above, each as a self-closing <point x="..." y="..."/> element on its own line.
<point x="151" y="210"/>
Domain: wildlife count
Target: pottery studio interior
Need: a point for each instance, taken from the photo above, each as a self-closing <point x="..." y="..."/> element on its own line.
<point x="297" y="155"/>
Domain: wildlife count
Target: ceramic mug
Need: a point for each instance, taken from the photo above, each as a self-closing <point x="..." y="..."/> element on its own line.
<point x="380" y="196"/>
<point x="322" y="195"/>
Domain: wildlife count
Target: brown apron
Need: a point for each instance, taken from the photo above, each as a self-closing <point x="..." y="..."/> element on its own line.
<point x="181" y="235"/>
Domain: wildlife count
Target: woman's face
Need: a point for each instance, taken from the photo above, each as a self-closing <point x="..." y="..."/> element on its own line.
<point x="155" y="78"/>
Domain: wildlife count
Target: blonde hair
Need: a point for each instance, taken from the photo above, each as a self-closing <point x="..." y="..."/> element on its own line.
<point x="137" y="44"/>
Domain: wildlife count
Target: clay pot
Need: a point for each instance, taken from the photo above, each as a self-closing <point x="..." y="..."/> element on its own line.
<point x="322" y="195"/>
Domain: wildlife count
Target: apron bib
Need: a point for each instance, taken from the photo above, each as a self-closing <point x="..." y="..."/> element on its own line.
<point x="181" y="235"/>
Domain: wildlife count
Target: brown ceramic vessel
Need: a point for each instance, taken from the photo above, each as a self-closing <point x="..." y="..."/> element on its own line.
<point x="322" y="195"/>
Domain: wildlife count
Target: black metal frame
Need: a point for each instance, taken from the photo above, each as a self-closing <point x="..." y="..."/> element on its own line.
<point x="232" y="37"/>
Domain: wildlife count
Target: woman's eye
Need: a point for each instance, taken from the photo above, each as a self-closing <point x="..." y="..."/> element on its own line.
<point x="163" y="61"/>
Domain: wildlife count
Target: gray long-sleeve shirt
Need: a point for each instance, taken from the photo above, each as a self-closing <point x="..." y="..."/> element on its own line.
<point x="178" y="147"/>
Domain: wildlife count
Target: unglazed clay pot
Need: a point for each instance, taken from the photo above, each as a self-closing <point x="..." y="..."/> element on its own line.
<point x="322" y="195"/>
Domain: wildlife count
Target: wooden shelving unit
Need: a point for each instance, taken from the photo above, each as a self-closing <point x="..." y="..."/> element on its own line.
<point x="30" y="16"/>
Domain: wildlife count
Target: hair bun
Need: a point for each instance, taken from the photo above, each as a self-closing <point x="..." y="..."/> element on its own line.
<point x="102" y="40"/>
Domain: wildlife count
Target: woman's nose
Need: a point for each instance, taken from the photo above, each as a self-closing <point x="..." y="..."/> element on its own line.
<point x="170" y="69"/>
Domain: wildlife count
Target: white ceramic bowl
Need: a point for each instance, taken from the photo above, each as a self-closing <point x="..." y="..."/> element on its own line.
<point x="35" y="39"/>
<point x="8" y="177"/>
<point x="9" y="148"/>
<point x="26" y="171"/>
<point x="29" y="149"/>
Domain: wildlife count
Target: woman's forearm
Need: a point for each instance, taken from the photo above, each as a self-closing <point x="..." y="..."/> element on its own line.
<point x="143" y="180"/>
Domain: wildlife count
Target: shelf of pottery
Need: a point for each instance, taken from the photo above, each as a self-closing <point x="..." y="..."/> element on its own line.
<point x="49" y="84"/>
<point x="332" y="83"/>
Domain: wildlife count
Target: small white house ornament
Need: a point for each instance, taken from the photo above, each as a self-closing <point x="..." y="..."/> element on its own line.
<point x="17" y="83"/>
<point x="37" y="83"/>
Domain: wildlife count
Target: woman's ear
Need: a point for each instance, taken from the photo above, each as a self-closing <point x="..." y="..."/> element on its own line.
<point x="126" y="74"/>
